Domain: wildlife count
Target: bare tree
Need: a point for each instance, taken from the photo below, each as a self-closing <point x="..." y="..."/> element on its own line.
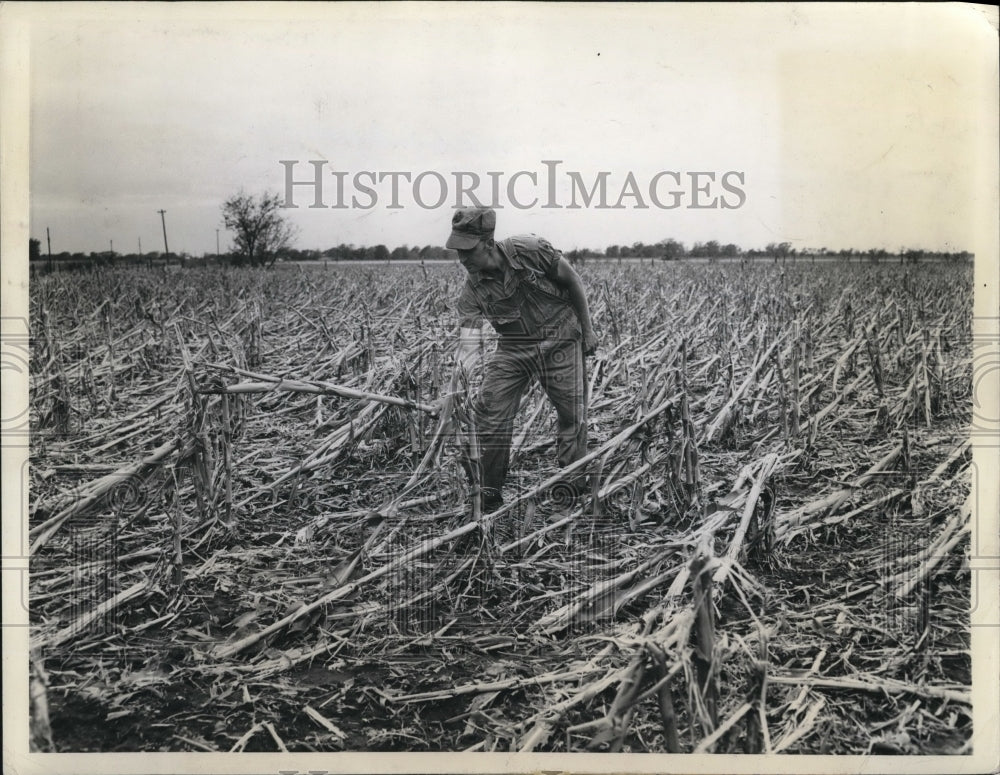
<point x="261" y="231"/>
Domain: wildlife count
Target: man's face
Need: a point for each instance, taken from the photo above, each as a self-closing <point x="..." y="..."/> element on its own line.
<point x="478" y="258"/>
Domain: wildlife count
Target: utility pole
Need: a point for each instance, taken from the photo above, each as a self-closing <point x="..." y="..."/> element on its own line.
<point x="48" y="240"/>
<point x="216" y="243"/>
<point x="140" y="246"/>
<point x="112" y="246"/>
<point x="166" y="250"/>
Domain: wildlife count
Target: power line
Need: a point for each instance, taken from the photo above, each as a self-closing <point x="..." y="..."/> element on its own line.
<point x="163" y="220"/>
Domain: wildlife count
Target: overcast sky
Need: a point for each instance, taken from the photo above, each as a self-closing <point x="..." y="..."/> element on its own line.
<point x="847" y="125"/>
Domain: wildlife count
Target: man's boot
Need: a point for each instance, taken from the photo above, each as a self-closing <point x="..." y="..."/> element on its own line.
<point x="492" y="499"/>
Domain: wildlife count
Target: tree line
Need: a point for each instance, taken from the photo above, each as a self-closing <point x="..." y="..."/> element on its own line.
<point x="262" y="235"/>
<point x="342" y="252"/>
<point x="667" y="250"/>
<point x="670" y="249"/>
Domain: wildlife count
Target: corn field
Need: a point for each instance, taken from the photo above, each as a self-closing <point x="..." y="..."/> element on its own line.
<point x="251" y="529"/>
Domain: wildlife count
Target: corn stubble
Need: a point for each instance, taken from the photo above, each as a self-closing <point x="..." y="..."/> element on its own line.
<point x="298" y="547"/>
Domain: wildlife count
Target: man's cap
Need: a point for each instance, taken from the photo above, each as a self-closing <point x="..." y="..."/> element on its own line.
<point x="470" y="225"/>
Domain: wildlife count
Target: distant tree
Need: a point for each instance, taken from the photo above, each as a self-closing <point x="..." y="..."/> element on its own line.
<point x="34" y="249"/>
<point x="779" y="249"/>
<point x="731" y="250"/>
<point x="577" y="256"/>
<point x="342" y="252"/>
<point x="671" y="249"/>
<point x="291" y="254"/>
<point x="436" y="252"/>
<point x="612" y="251"/>
<point x="403" y="253"/>
<point x="261" y="231"/>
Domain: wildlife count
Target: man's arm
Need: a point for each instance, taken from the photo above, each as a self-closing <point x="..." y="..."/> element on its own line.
<point x="470" y="345"/>
<point x="567" y="277"/>
<point x="470" y="329"/>
<point x="468" y="352"/>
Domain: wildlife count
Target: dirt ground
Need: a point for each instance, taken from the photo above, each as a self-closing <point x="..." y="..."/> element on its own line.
<point x="399" y="638"/>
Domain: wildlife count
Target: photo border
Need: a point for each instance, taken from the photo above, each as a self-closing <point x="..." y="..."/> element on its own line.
<point x="15" y="105"/>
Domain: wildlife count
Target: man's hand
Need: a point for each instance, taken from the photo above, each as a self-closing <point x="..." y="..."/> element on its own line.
<point x="567" y="277"/>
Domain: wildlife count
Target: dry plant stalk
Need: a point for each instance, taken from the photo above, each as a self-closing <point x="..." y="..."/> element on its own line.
<point x="322" y="403"/>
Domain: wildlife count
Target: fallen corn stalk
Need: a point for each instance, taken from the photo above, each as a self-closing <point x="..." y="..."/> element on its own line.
<point x="879" y="685"/>
<point x="767" y="466"/>
<point x="99" y="489"/>
<point x="834" y="500"/>
<point x="721" y="420"/>
<point x="267" y="384"/>
<point x="230" y="649"/>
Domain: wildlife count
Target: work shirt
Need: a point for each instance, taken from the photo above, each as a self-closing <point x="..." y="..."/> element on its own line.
<point x="521" y="300"/>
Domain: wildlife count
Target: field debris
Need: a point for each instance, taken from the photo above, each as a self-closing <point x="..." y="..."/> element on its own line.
<point x="251" y="528"/>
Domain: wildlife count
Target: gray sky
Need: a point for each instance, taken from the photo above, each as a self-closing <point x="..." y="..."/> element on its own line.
<point x="852" y="125"/>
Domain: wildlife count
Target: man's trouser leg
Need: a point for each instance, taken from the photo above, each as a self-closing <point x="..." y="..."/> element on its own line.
<point x="507" y="375"/>
<point x="562" y="378"/>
